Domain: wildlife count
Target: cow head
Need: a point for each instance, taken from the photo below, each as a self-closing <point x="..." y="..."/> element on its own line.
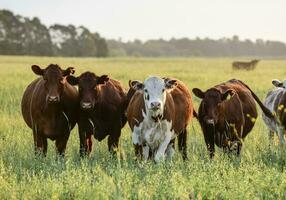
<point x="279" y="84"/>
<point x="54" y="78"/>
<point x="255" y="60"/>
<point x="211" y="103"/>
<point x="88" y="90"/>
<point x="154" y="91"/>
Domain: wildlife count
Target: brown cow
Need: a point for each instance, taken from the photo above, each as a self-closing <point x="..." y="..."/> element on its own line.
<point x="159" y="111"/>
<point x="245" y="65"/>
<point x="226" y="122"/>
<point x="102" y="107"/>
<point x="49" y="107"/>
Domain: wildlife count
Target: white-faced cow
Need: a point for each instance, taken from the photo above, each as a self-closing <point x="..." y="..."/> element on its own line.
<point x="102" y="110"/>
<point x="49" y="107"/>
<point x="159" y="110"/>
<point x="276" y="102"/>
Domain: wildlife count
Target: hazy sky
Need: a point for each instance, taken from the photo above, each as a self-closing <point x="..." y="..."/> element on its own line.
<point x="145" y="19"/>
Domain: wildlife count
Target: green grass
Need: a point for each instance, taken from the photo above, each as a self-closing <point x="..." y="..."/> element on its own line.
<point x="258" y="174"/>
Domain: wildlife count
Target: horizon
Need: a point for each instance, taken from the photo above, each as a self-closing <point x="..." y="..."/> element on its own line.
<point x="129" y="20"/>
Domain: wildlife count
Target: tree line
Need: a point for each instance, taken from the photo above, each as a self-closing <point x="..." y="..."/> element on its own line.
<point x="23" y="36"/>
<point x="224" y="47"/>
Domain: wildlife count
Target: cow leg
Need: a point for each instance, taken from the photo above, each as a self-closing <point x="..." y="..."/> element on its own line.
<point x="209" y="140"/>
<point x="146" y="152"/>
<point x="239" y="146"/>
<point x="138" y="151"/>
<point x="61" y="144"/>
<point x="182" y="144"/>
<point x="113" y="144"/>
<point x="82" y="143"/>
<point x="40" y="143"/>
<point x="113" y="139"/>
<point x="170" y="150"/>
<point x="271" y="136"/>
<point x="160" y="154"/>
<point x="137" y="142"/>
<point x="281" y="135"/>
<point x="89" y="143"/>
<point x="45" y="146"/>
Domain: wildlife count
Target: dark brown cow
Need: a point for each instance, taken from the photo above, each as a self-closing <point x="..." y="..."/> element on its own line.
<point x="245" y="65"/>
<point x="159" y="111"/>
<point x="49" y="107"/>
<point x="226" y="122"/>
<point x="102" y="107"/>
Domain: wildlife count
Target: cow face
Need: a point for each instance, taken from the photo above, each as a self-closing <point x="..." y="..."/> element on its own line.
<point x="154" y="92"/>
<point x="279" y="84"/>
<point x="54" y="78"/>
<point x="211" y="103"/>
<point x="88" y="90"/>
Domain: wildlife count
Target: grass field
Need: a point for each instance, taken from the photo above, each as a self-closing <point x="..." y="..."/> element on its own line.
<point x="258" y="174"/>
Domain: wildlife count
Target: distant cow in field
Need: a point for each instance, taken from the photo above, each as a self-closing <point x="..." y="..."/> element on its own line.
<point x="49" y="107"/>
<point x="158" y="111"/>
<point x="226" y="122"/>
<point x="102" y="110"/>
<point x="244" y="65"/>
<point x="275" y="101"/>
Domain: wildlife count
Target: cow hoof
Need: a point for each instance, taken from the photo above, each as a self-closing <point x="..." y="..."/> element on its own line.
<point x="170" y="153"/>
<point x="159" y="158"/>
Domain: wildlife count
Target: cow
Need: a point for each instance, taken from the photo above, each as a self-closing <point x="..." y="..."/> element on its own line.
<point x="102" y="110"/>
<point x="227" y="113"/>
<point x="236" y="65"/>
<point x="275" y="101"/>
<point x="159" y="110"/>
<point x="49" y="107"/>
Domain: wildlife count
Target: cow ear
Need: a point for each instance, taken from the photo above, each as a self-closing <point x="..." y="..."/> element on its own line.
<point x="37" y="70"/>
<point x="170" y="83"/>
<point x="72" y="80"/>
<point x="136" y="85"/>
<point x="129" y="83"/>
<point x="226" y="94"/>
<point x="198" y="93"/>
<point x="102" y="79"/>
<point x="68" y="71"/>
<point x="277" y="83"/>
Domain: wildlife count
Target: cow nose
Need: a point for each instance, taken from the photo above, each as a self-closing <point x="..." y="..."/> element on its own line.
<point x="53" y="98"/>
<point x="210" y="121"/>
<point x="86" y="105"/>
<point x="155" y="105"/>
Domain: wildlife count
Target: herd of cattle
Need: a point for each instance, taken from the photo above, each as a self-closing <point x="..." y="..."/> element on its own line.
<point x="158" y="111"/>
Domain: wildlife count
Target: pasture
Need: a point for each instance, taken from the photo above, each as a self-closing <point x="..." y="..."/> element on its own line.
<point x="258" y="174"/>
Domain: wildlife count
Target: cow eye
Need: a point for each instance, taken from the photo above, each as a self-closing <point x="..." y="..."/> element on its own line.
<point x="147" y="97"/>
<point x="163" y="90"/>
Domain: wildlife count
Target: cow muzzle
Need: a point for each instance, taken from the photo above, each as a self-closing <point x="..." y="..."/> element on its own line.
<point x="86" y="105"/>
<point x="53" y="99"/>
<point x="210" y="121"/>
<point x="155" y="106"/>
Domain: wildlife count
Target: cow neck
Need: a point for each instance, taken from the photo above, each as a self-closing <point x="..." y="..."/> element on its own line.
<point x="281" y="108"/>
<point x="50" y="110"/>
<point x="157" y="118"/>
<point x="221" y="115"/>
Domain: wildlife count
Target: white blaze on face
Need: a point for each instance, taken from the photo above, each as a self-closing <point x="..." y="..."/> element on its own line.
<point x="154" y="96"/>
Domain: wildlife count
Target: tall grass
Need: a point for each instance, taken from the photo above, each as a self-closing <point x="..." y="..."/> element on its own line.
<point x="258" y="174"/>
